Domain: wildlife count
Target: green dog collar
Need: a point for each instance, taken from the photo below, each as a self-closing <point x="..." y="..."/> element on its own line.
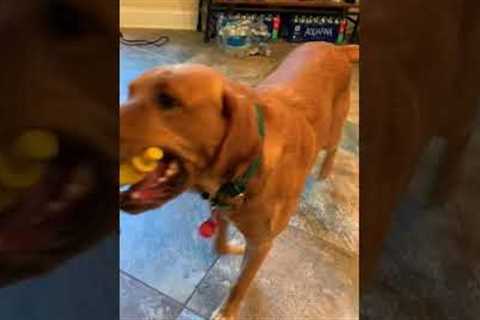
<point x="238" y="186"/>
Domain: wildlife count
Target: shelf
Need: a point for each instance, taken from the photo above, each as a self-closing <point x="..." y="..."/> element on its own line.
<point x="305" y="7"/>
<point x="288" y="3"/>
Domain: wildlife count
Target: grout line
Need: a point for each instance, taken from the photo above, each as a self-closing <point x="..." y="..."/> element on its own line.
<point x="199" y="282"/>
<point x="191" y="311"/>
<point x="150" y="287"/>
<point x="182" y="305"/>
<point x="331" y="244"/>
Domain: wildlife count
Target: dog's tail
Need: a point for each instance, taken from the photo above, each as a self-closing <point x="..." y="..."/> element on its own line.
<point x="352" y="51"/>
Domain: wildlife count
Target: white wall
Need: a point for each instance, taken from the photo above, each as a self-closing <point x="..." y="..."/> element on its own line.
<point x="159" y="14"/>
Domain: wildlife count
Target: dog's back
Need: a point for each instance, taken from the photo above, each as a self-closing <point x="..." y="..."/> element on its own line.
<point x="314" y="70"/>
<point x="315" y="80"/>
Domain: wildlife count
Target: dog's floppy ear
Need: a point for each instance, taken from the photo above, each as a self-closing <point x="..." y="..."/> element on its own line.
<point x="242" y="141"/>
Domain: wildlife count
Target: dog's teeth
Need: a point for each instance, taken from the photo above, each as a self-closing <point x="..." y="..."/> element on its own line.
<point x="162" y="179"/>
<point x="173" y="166"/>
<point x="172" y="169"/>
<point x="135" y="195"/>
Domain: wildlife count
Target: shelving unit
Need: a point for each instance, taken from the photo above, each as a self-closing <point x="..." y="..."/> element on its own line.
<point x="310" y="7"/>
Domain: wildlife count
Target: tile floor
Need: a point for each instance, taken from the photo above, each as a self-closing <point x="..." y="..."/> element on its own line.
<point x="169" y="272"/>
<point x="432" y="251"/>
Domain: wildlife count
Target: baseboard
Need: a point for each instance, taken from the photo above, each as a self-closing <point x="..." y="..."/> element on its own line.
<point x="153" y="18"/>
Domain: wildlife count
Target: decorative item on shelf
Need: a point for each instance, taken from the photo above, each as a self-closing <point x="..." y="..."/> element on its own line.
<point x="243" y="36"/>
<point x="342" y="31"/>
<point x="276" y="28"/>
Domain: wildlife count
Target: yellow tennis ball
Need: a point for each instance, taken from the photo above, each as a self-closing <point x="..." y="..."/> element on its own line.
<point x="36" y="144"/>
<point x="141" y="165"/>
<point x="153" y="153"/>
<point x="128" y="175"/>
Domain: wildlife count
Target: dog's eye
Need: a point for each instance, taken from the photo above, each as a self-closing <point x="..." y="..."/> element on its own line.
<point x="64" y="20"/>
<point x="166" y="101"/>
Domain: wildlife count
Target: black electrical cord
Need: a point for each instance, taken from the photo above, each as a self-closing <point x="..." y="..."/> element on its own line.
<point x="160" y="41"/>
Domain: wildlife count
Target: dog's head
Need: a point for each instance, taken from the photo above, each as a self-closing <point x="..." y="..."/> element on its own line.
<point x="58" y="56"/>
<point x="205" y="124"/>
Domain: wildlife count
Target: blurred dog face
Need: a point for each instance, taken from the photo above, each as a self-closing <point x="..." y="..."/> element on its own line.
<point x="204" y="123"/>
<point x="58" y="56"/>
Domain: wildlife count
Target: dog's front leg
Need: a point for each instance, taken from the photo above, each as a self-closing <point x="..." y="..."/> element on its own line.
<point x="255" y="254"/>
<point x="222" y="244"/>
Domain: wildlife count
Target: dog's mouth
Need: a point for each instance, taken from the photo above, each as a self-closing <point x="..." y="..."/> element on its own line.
<point x="168" y="180"/>
<point x="48" y="213"/>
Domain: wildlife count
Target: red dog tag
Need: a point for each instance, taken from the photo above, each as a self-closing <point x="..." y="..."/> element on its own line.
<point x="208" y="228"/>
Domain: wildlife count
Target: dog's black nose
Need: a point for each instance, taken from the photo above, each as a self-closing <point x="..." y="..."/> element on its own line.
<point x="205" y="195"/>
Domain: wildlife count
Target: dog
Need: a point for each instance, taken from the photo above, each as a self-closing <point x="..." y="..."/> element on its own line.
<point x="216" y="132"/>
<point x="53" y="78"/>
<point x="412" y="91"/>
